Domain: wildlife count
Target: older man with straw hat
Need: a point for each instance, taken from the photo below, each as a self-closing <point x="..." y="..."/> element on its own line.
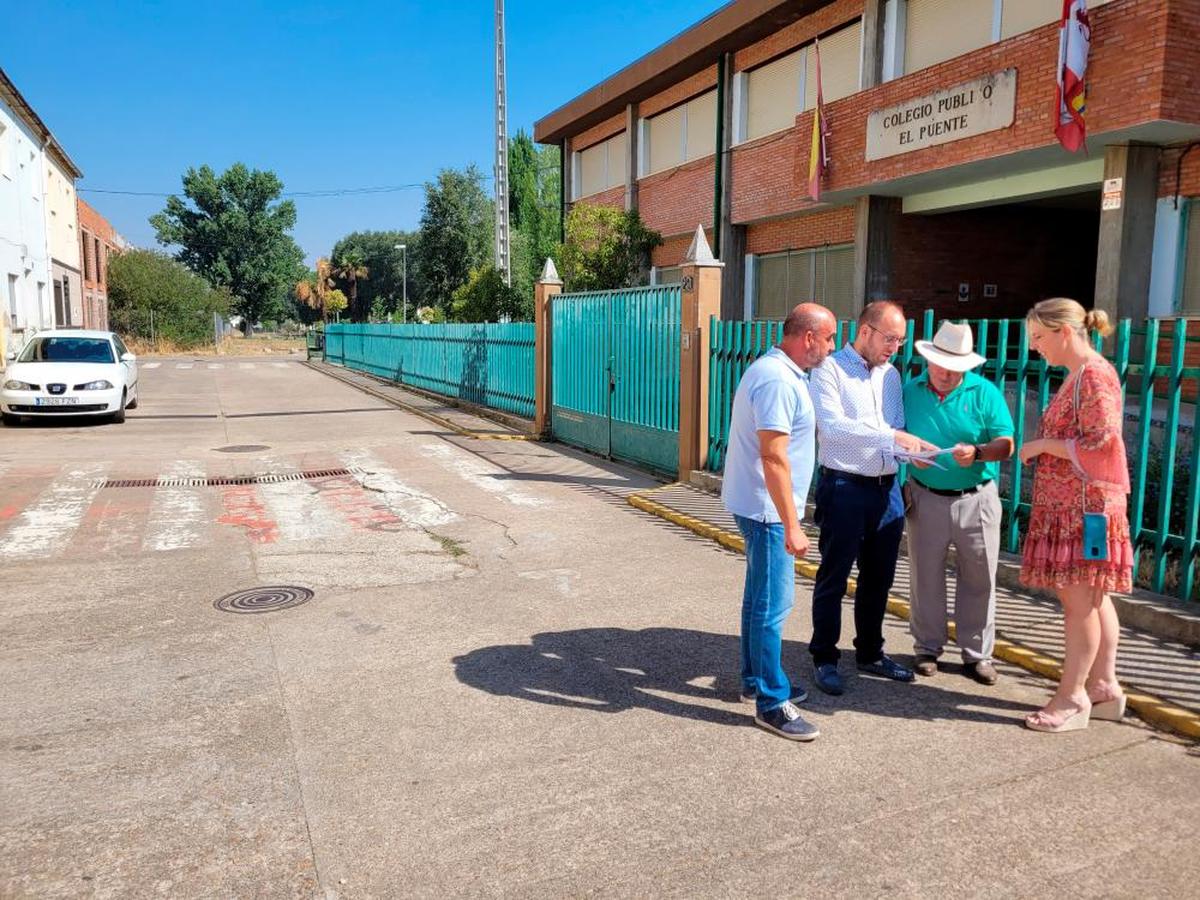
<point x="955" y="501"/>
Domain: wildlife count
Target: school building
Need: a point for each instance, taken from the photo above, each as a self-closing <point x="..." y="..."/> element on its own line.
<point x="946" y="189"/>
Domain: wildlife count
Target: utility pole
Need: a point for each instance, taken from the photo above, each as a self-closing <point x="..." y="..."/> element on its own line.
<point x="503" y="258"/>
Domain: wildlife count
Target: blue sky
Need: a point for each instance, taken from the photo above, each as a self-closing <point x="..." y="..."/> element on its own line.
<point x="329" y="95"/>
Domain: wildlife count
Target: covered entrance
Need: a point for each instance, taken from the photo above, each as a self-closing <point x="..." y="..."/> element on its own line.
<point x="615" y="374"/>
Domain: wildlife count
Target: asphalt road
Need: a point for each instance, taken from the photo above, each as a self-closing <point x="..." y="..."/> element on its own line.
<point x="506" y="682"/>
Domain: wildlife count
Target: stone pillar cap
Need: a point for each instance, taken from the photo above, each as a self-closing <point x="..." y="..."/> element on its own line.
<point x="699" y="253"/>
<point x="549" y="273"/>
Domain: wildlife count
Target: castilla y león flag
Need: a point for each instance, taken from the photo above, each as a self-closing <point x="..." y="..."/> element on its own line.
<point x="818" y="160"/>
<point x="1074" y="40"/>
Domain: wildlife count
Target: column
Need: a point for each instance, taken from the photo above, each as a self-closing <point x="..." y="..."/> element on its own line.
<point x="701" y="300"/>
<point x="1126" y="240"/>
<point x="545" y="288"/>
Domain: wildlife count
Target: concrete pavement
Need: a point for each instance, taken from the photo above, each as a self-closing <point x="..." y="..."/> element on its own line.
<point x="508" y="682"/>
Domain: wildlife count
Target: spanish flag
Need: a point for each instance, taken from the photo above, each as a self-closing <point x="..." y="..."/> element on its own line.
<point x="1070" y="97"/>
<point x="818" y="158"/>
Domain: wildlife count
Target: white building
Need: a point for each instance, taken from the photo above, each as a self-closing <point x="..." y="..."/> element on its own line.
<point x="62" y="233"/>
<point x="25" y="268"/>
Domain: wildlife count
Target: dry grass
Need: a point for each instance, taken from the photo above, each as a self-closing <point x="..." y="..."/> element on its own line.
<point x="234" y="345"/>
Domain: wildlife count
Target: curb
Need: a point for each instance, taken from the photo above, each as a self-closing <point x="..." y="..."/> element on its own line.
<point x="416" y="410"/>
<point x="1152" y="709"/>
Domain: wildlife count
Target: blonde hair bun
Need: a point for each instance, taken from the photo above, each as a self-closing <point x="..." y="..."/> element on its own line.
<point x="1097" y="320"/>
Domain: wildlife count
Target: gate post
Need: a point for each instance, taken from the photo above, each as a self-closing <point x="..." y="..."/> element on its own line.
<point x="546" y="287"/>
<point x="701" y="300"/>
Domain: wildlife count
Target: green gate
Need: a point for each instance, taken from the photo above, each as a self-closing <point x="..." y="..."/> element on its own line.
<point x="615" y="374"/>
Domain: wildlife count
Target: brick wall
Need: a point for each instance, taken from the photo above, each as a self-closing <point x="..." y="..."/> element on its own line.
<point x="677" y="93"/>
<point x="676" y="200"/>
<point x="598" y="133"/>
<point x="826" y="19"/>
<point x="1181" y="61"/>
<point x="1056" y="256"/>
<point x="834" y="226"/>
<point x="1189" y="175"/>
<point x="611" y="197"/>
<point x="672" y="252"/>
<point x="1125" y="83"/>
<point x="93" y="226"/>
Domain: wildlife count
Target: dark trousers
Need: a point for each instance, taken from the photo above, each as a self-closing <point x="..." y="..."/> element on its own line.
<point x="860" y="522"/>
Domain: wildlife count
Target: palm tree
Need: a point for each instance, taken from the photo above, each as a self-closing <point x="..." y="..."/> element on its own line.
<point x="351" y="266"/>
<point x="314" y="291"/>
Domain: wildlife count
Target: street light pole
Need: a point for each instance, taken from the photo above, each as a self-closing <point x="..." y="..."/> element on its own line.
<point x="403" y="248"/>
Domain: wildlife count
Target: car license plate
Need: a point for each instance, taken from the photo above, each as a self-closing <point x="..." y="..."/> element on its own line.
<point x="55" y="401"/>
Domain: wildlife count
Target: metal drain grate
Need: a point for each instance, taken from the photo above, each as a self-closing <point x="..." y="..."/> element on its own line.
<point x="226" y="480"/>
<point x="263" y="599"/>
<point x="243" y="448"/>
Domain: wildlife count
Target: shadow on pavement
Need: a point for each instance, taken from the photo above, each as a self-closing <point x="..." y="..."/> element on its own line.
<point x="615" y="669"/>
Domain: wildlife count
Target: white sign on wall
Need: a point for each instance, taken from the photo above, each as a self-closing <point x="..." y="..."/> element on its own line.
<point x="965" y="110"/>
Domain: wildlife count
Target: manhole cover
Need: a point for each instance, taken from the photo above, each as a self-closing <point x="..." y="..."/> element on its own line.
<point x="264" y="599"/>
<point x="243" y="448"/>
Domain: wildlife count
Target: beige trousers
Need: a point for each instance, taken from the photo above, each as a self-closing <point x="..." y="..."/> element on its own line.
<point x="971" y="523"/>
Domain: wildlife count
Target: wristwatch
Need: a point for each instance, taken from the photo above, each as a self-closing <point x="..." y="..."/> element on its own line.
<point x="978" y="453"/>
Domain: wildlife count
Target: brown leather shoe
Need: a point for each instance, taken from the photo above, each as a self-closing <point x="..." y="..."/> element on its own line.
<point x="983" y="672"/>
<point x="925" y="665"/>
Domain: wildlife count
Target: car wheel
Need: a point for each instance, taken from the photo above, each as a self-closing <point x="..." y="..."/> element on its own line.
<point x="119" y="416"/>
<point x="132" y="404"/>
<point x="10" y="420"/>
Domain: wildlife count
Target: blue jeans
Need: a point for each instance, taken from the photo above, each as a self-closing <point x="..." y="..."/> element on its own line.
<point x="766" y="602"/>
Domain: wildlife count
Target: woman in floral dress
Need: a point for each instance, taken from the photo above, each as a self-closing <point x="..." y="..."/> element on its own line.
<point x="1079" y="452"/>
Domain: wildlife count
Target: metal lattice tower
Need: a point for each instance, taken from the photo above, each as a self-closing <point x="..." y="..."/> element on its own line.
<point x="503" y="257"/>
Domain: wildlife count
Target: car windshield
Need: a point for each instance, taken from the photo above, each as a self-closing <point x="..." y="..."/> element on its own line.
<point x="67" y="349"/>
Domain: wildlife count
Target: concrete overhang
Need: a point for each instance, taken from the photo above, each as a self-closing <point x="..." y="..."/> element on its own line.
<point x="732" y="27"/>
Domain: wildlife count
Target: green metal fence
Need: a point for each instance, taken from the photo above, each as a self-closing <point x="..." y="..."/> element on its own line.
<point x="490" y="365"/>
<point x="1164" y="457"/>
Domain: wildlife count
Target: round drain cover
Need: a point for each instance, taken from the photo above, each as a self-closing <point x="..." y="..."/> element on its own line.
<point x="243" y="448"/>
<point x="264" y="599"/>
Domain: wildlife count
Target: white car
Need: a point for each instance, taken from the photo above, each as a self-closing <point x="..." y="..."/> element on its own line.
<point x="70" y="372"/>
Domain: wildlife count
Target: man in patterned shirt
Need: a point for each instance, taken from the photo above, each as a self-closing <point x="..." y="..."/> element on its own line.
<point x="860" y="419"/>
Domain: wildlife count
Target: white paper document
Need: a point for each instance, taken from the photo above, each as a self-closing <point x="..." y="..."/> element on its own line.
<point x="925" y="456"/>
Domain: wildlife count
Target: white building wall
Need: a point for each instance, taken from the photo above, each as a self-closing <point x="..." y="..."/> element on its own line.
<point x="62" y="231"/>
<point x="25" y="283"/>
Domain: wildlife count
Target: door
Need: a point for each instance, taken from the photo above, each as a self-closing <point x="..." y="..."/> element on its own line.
<point x="615" y="374"/>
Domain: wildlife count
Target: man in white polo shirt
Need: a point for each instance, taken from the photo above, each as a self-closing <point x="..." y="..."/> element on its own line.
<point x="768" y="468"/>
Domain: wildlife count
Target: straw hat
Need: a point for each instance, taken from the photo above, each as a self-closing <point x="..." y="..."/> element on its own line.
<point x="952" y="348"/>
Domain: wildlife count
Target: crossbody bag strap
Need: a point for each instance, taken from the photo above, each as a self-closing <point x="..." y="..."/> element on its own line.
<point x="1079" y="436"/>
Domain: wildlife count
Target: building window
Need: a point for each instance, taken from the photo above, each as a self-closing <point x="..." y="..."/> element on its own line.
<point x="601" y="166"/>
<point x="938" y="30"/>
<point x="774" y="94"/>
<point x="99" y="261"/>
<point x="1189" y="262"/>
<point x="666" y="275"/>
<point x="5" y="155"/>
<point x="679" y="135"/>
<point x="821" y="274"/>
<point x="87" y="263"/>
<point x="13" y="308"/>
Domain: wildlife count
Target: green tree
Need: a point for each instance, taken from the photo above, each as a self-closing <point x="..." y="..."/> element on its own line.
<point x="389" y="270"/>
<point x="606" y="248"/>
<point x="234" y="230"/>
<point x="534" y="177"/>
<point x="351" y="268"/>
<point x="152" y="295"/>
<point x="486" y="298"/>
<point x="335" y="303"/>
<point x="456" y="233"/>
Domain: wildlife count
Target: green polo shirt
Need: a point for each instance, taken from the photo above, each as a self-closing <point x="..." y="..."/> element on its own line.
<point x="975" y="412"/>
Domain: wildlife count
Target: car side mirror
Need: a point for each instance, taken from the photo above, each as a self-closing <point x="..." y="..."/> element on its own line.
<point x="128" y="357"/>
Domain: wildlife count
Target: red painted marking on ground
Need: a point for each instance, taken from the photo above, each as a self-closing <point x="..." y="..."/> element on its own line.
<point x="244" y="509"/>
<point x="356" y="505"/>
<point x="115" y="521"/>
<point x="20" y="488"/>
